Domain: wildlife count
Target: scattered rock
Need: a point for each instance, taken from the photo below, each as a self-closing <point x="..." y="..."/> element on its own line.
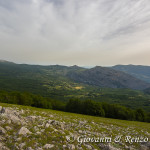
<point x="58" y="127"/>
<point x="8" y="128"/>
<point x="79" y="147"/>
<point x="30" y="148"/>
<point x="145" y="146"/>
<point x="1" y="144"/>
<point x="71" y="146"/>
<point x="47" y="125"/>
<point x="14" y="119"/>
<point x="54" y="122"/>
<point x="2" y="130"/>
<point x="22" y="145"/>
<point x="51" y="116"/>
<point x="42" y="130"/>
<point x="107" y="147"/>
<point x="32" y="118"/>
<point x="8" y="121"/>
<point x="64" y="146"/>
<point x="18" y="139"/>
<point x="39" y="148"/>
<point x="48" y="146"/>
<point x="24" y="131"/>
<point x="80" y="131"/>
<point x="38" y="133"/>
<point x="88" y="146"/>
<point x="82" y="122"/>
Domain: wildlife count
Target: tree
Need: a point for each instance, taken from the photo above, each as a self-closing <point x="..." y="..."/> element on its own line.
<point x="140" y="114"/>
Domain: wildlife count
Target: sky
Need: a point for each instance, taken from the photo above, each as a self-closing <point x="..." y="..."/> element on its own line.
<point x="75" y="32"/>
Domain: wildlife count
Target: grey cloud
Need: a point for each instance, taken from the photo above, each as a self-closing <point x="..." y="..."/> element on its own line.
<point x="49" y="28"/>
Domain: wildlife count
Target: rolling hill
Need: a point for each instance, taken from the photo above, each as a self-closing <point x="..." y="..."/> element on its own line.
<point x="56" y="75"/>
<point x="107" y="77"/>
<point x="63" y="83"/>
<point x="138" y="71"/>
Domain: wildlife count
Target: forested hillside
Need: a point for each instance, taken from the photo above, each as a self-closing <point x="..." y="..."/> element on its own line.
<point x="64" y="83"/>
<point x="138" y="71"/>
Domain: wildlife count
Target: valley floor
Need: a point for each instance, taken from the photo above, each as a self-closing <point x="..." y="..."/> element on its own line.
<point x="28" y="128"/>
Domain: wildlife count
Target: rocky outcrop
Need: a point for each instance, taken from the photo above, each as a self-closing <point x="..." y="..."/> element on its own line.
<point x="27" y="129"/>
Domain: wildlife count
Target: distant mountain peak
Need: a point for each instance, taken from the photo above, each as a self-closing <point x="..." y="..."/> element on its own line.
<point x="97" y="67"/>
<point x="74" y="66"/>
<point x="5" y="61"/>
<point x="108" y="77"/>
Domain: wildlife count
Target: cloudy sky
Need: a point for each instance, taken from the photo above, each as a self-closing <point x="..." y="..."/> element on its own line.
<point x="82" y="32"/>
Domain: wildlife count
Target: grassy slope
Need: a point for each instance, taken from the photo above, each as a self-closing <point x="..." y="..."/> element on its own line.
<point x="103" y="126"/>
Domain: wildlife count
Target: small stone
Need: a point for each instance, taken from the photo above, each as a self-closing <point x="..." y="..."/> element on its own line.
<point x="80" y="131"/>
<point x="62" y="125"/>
<point x="64" y="146"/>
<point x="2" y="138"/>
<point x="88" y="146"/>
<point x="55" y="130"/>
<point x="4" y="147"/>
<point x="8" y="121"/>
<point x="30" y="148"/>
<point x="79" y="147"/>
<point x="36" y="128"/>
<point x="32" y="118"/>
<point x="42" y="130"/>
<point x="82" y="122"/>
<point x="22" y="111"/>
<point x="22" y="145"/>
<point x="143" y="147"/>
<point x="8" y="128"/>
<point x="1" y="144"/>
<point x="14" y="119"/>
<point x="38" y="133"/>
<point x="50" y="121"/>
<point x="47" y="125"/>
<point x="39" y="148"/>
<point x="71" y="146"/>
<point x="48" y="146"/>
<point x="24" y="131"/>
<point x="107" y="146"/>
<point x="2" y="130"/>
<point x="19" y="139"/>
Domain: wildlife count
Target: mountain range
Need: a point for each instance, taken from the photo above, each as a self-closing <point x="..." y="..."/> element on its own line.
<point x="103" y="84"/>
<point x="107" y="77"/>
<point x="138" y="71"/>
<point x="131" y="77"/>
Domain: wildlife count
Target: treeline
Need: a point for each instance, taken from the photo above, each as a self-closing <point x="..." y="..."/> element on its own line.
<point x="87" y="107"/>
<point x="28" y="99"/>
<point x="115" y="111"/>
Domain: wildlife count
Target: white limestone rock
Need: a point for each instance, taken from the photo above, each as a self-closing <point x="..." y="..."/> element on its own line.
<point x="24" y="131"/>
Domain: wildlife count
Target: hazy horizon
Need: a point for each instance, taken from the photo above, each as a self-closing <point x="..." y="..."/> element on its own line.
<point x="2" y="60"/>
<point x="75" y="32"/>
